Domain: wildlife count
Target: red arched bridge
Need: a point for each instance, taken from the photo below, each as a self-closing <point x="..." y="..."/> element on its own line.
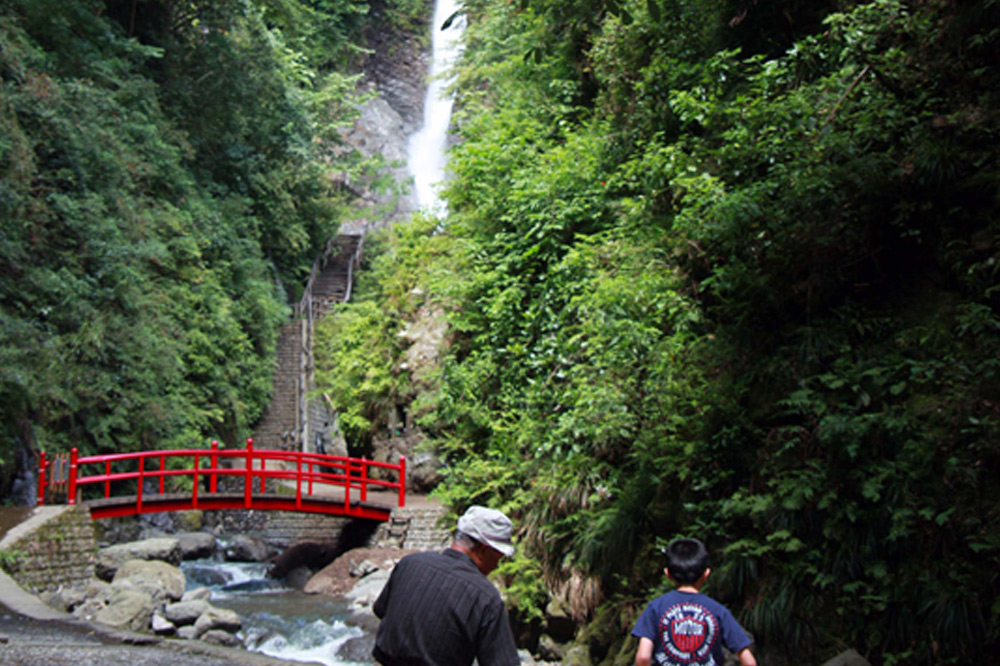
<point x="119" y="484"/>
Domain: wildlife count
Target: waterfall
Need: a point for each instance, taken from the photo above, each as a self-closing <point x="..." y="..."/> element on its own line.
<point x="427" y="146"/>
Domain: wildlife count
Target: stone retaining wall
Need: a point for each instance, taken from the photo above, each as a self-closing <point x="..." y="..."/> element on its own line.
<point x="414" y="528"/>
<point x="282" y="529"/>
<point x="54" y="546"/>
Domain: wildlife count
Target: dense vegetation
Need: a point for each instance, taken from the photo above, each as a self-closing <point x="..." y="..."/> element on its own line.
<point x="163" y="194"/>
<point x="722" y="269"/>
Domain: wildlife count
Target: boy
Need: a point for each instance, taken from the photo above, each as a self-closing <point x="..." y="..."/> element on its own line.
<point x="683" y="626"/>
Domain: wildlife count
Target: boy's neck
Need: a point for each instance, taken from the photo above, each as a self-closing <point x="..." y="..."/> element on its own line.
<point x="688" y="588"/>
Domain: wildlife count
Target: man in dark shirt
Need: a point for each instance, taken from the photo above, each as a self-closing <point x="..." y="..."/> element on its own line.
<point x="438" y="609"/>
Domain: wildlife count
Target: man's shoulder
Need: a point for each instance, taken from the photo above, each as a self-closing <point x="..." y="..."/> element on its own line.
<point x="451" y="564"/>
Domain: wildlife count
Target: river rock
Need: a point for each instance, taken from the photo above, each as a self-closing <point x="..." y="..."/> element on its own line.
<point x="367" y="590"/>
<point x="128" y="609"/>
<point x="298" y="577"/>
<point x="196" y="545"/>
<point x="217" y="618"/>
<point x="245" y="548"/>
<point x="206" y="575"/>
<point x="358" y="648"/>
<point x="185" y="612"/>
<point x="364" y="619"/>
<point x="161" y="625"/>
<point x="163" y="582"/>
<point x="165" y="549"/>
<point x="220" y="637"/>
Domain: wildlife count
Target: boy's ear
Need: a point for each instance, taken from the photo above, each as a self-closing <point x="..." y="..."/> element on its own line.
<point x="704" y="577"/>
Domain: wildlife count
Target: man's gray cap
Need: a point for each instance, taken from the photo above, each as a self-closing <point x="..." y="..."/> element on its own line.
<point x="488" y="526"/>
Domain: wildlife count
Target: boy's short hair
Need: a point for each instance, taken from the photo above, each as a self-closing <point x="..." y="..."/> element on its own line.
<point x="687" y="560"/>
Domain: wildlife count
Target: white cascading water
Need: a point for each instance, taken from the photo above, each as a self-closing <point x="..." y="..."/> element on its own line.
<point x="427" y="146"/>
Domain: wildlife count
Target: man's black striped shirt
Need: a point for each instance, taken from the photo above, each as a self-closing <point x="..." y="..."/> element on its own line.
<point x="437" y="609"/>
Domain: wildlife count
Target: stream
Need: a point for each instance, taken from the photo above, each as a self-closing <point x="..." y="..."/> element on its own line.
<point x="277" y="621"/>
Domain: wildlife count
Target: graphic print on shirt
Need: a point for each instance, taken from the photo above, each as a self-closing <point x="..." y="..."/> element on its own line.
<point x="687" y="633"/>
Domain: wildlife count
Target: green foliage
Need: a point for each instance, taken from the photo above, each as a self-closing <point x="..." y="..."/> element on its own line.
<point x="161" y="164"/>
<point x="734" y="279"/>
<point x="9" y="559"/>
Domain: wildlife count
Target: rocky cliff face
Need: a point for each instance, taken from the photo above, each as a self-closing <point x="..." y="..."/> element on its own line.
<point x="396" y="71"/>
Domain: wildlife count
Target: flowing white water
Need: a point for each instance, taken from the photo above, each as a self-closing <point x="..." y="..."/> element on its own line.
<point x="427" y="146"/>
<point x="277" y="621"/>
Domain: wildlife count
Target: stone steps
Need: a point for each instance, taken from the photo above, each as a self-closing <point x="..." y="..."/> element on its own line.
<point x="414" y="529"/>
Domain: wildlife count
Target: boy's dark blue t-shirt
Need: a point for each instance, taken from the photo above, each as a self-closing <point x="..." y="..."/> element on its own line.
<point x="689" y="628"/>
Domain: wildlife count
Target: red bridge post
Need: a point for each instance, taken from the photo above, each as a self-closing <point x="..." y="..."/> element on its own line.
<point x="364" y="479"/>
<point x="402" y="481"/>
<point x="141" y="482"/>
<point x="213" y="483"/>
<point x="71" y="494"/>
<point x="248" y="476"/>
<point x="42" y="464"/>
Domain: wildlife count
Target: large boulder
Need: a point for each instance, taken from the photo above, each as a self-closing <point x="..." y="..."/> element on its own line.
<point x="165" y="549"/>
<point x="196" y="545"/>
<point x="163" y="582"/>
<point x="185" y="612"/>
<point x="128" y="609"/>
<point x="217" y="619"/>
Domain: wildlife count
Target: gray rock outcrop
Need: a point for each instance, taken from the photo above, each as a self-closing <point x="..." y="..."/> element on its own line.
<point x="165" y="549"/>
<point x="163" y="582"/>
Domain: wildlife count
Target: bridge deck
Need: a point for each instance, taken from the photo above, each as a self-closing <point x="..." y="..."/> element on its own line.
<point x="130" y="505"/>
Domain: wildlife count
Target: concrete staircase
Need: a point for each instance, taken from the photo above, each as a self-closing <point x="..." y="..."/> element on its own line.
<point x="276" y="428"/>
<point x="331" y="285"/>
<point x="279" y="425"/>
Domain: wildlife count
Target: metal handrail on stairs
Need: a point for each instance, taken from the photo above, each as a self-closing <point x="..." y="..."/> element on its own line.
<point x="305" y="311"/>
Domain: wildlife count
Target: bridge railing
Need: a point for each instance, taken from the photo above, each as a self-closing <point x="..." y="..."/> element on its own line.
<point x="309" y="473"/>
